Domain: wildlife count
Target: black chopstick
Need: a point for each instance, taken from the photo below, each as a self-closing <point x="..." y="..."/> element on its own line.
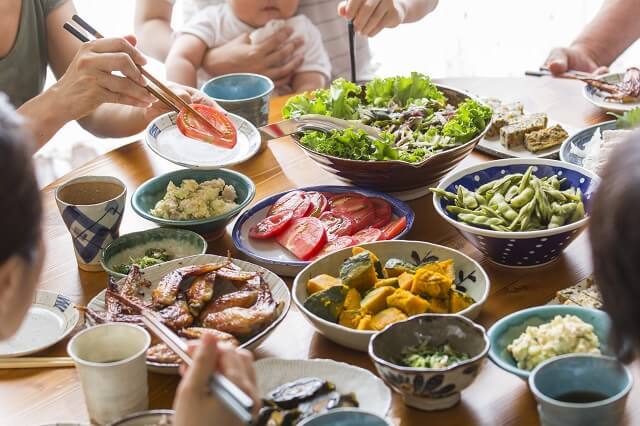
<point x="352" y="50"/>
<point x="84" y="24"/>
<point x="77" y="34"/>
<point x="227" y="391"/>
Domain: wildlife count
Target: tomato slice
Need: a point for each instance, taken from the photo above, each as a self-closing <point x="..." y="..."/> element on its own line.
<point x="319" y="203"/>
<point x="394" y="228"/>
<point x="272" y="225"/>
<point x="336" y="225"/>
<point x="354" y="206"/>
<point x="296" y="201"/>
<point x="220" y="130"/>
<point x="367" y="235"/>
<point x="335" y="245"/>
<point x="304" y="237"/>
<point x="383" y="212"/>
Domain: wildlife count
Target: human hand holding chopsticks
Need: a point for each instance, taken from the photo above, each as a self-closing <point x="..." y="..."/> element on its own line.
<point x="573" y="58"/>
<point x="372" y="16"/>
<point x="194" y="404"/>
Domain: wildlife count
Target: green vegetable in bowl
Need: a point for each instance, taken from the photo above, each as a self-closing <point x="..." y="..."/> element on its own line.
<point x="413" y="115"/>
<point x="425" y="356"/>
<point x="517" y="202"/>
<point x="151" y="257"/>
<point x="629" y="120"/>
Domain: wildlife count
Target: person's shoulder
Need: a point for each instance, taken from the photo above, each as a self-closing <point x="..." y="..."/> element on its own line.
<point x="49" y="5"/>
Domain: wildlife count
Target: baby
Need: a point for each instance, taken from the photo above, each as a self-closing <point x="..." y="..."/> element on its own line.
<point x="219" y="24"/>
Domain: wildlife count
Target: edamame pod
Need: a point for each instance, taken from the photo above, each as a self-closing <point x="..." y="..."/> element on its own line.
<point x="444" y="194"/>
<point x="523" y="198"/>
<point x="480" y="220"/>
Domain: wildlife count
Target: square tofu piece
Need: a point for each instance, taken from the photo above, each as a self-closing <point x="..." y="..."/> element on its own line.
<point x="503" y="115"/>
<point x="540" y="140"/>
<point x="513" y="134"/>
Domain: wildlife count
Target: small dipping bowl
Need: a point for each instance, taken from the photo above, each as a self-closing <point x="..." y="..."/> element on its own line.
<point x="244" y="94"/>
<point x="345" y="417"/>
<point x="584" y="377"/>
<point x="429" y="388"/>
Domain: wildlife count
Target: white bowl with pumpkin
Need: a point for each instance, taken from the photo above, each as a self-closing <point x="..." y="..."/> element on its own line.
<point x="351" y="294"/>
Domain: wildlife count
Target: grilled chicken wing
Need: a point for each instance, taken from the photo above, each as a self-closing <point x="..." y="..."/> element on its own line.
<point x="192" y="333"/>
<point x="176" y="316"/>
<point x="200" y="292"/>
<point x="167" y="290"/>
<point x="239" y="299"/>
<point x="235" y="274"/>
<point x="244" y="321"/>
<point x="162" y="354"/>
<point x="131" y="289"/>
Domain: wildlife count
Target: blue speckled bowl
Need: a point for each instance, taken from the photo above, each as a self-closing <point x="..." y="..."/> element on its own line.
<point x="505" y="331"/>
<point x="519" y="249"/>
<point x="271" y="255"/>
<point x="580" y="139"/>
<point x="153" y="190"/>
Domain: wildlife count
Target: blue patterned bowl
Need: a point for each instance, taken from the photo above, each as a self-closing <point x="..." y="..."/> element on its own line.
<point x="505" y="331"/>
<point x="519" y="249"/>
<point x="429" y="388"/>
<point x="580" y="139"/>
<point x="153" y="190"/>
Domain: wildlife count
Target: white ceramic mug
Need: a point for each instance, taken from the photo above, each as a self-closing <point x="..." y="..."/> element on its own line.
<point x="111" y="363"/>
<point x="92" y="208"/>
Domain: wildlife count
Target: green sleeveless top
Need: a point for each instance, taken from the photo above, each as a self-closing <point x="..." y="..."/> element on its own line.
<point x="24" y="69"/>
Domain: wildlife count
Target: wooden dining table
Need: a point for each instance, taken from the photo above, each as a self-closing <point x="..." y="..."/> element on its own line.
<point x="44" y="396"/>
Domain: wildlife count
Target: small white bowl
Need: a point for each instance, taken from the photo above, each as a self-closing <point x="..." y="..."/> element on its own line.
<point x="330" y="264"/>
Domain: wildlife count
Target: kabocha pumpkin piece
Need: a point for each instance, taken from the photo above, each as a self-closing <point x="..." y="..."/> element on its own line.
<point x="366" y="323"/>
<point x="359" y="272"/>
<point x="438" y="306"/>
<point x="459" y="301"/>
<point x="396" y="267"/>
<point x="321" y="282"/>
<point x="407" y="302"/>
<point x="350" y="318"/>
<point x="405" y="281"/>
<point x="386" y="317"/>
<point x="327" y="304"/>
<point x="376" y="299"/>
<point x="430" y="280"/>
<point x="352" y="300"/>
<point x="390" y="282"/>
<point x="377" y="265"/>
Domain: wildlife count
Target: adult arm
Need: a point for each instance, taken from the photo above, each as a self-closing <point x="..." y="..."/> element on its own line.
<point x="308" y="81"/>
<point x="372" y="16"/>
<point x="611" y="32"/>
<point x="152" y="25"/>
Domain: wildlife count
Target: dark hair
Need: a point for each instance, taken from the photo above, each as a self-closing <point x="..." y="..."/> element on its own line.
<point x="615" y="242"/>
<point x="20" y="203"/>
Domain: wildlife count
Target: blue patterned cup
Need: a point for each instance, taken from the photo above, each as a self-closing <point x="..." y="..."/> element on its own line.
<point x="243" y="94"/>
<point x="92" y="209"/>
<point x="581" y="389"/>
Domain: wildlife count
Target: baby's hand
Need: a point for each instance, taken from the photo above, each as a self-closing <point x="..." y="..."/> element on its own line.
<point x="372" y="16"/>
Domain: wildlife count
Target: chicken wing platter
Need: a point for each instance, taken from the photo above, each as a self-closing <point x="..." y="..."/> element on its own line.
<point x="617" y="92"/>
<point x="235" y="300"/>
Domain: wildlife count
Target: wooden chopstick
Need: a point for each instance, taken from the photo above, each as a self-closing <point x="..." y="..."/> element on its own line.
<point x="170" y="94"/>
<point x="36" y="362"/>
<point x="230" y="394"/>
<point x="352" y="51"/>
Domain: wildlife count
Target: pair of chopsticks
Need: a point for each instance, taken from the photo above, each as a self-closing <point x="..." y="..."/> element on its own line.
<point x="35" y="362"/>
<point x="572" y="74"/>
<point x="231" y="395"/>
<point x="162" y="92"/>
<point x="352" y="50"/>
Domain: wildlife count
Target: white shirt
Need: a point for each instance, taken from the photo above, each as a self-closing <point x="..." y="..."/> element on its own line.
<point x="333" y="28"/>
<point x="217" y="25"/>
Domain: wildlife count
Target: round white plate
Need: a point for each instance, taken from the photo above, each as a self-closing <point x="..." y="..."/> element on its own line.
<point x="165" y="139"/>
<point x="371" y="392"/>
<point x="50" y="319"/>
<point x="279" y="290"/>
<point x="598" y="98"/>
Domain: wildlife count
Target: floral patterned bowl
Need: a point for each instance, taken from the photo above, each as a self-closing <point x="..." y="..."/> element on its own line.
<point x="430" y="388"/>
<point x="519" y="249"/>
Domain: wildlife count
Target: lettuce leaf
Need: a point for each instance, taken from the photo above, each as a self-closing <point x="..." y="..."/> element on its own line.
<point x="340" y="100"/>
<point x="629" y="120"/>
<point x="469" y="120"/>
<point x="402" y="91"/>
<point x="353" y="144"/>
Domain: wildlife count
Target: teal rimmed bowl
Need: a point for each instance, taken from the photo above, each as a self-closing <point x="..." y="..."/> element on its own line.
<point x="153" y="190"/>
<point x="505" y="331"/>
<point x="178" y="242"/>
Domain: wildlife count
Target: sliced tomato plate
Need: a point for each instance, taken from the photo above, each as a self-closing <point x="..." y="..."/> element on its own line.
<point x="319" y="203"/>
<point x="218" y="129"/>
<point x="383" y="212"/>
<point x="271" y="226"/>
<point x="394" y="228"/>
<point x="336" y="225"/>
<point x="304" y="237"/>
<point x="367" y="235"/>
<point x="294" y="201"/>
<point x="335" y="245"/>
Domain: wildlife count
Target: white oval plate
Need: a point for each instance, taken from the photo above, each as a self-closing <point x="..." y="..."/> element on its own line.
<point x="278" y="288"/>
<point x="50" y="319"/>
<point x="597" y="97"/>
<point x="372" y="394"/>
<point x="165" y="139"/>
